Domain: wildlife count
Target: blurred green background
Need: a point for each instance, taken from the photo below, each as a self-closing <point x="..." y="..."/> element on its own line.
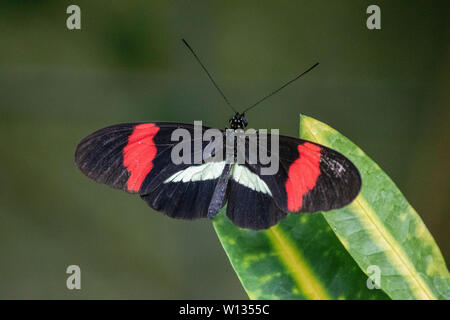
<point x="387" y="90"/>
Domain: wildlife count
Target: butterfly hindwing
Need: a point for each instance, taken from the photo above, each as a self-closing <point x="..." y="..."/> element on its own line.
<point x="185" y="193"/>
<point x="250" y="201"/>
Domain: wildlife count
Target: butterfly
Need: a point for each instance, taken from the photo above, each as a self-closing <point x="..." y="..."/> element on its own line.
<point x="138" y="158"/>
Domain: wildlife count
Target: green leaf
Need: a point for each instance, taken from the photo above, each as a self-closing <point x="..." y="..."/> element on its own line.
<point x="381" y="228"/>
<point x="299" y="258"/>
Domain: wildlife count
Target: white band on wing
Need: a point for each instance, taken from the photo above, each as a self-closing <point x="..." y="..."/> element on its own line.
<point x="213" y="170"/>
<point x="244" y="176"/>
<point x="207" y="171"/>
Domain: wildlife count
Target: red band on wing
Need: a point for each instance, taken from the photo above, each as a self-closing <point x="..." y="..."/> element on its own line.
<point x="303" y="174"/>
<point x="139" y="153"/>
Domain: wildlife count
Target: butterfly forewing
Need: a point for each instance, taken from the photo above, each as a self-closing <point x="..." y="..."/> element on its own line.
<point x="136" y="157"/>
<point x="310" y="177"/>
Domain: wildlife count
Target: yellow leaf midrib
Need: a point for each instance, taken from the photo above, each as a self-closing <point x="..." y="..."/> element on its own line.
<point x="392" y="244"/>
<point x="297" y="266"/>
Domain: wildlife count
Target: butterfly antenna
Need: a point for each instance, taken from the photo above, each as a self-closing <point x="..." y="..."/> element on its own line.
<point x="282" y="87"/>
<point x="209" y="75"/>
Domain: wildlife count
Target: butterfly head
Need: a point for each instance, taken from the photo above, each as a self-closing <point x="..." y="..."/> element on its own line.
<point x="238" y="121"/>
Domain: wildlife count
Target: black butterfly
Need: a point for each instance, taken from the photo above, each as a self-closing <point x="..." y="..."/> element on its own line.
<point x="136" y="157"/>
